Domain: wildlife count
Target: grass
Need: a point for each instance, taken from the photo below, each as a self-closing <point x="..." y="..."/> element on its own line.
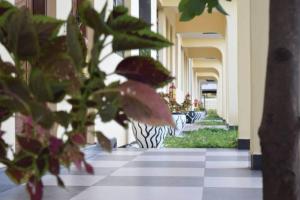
<point x="212" y="115"/>
<point x="205" y="138"/>
<point x="212" y="123"/>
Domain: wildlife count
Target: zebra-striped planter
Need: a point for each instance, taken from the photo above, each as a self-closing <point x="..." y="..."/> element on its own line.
<point x="199" y="116"/>
<point x="149" y="136"/>
<point x="190" y="117"/>
<point x="180" y="122"/>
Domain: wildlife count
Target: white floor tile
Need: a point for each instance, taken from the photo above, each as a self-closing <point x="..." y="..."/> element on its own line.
<point x="122" y="153"/>
<point x="170" y="158"/>
<point x="227" y="153"/>
<point x="193" y="172"/>
<point x="177" y="150"/>
<point x="233" y="182"/>
<point x="140" y="193"/>
<point x="110" y="164"/>
<point x="227" y="164"/>
<point x="73" y="180"/>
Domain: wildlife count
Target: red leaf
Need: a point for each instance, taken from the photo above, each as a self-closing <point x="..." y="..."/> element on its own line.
<point x="15" y="175"/>
<point x="24" y="162"/>
<point x="88" y="168"/>
<point x="55" y="145"/>
<point x="54" y="166"/>
<point x="35" y="189"/>
<point x="79" y="139"/>
<point x="30" y="145"/>
<point x="141" y="102"/>
<point x="144" y="69"/>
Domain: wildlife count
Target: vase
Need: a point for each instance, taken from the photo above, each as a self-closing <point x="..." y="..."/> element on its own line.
<point x="180" y="122"/>
<point x="199" y="116"/>
<point x="148" y="136"/>
<point x="190" y="117"/>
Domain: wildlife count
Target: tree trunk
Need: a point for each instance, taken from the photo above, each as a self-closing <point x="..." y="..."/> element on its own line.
<point x="279" y="131"/>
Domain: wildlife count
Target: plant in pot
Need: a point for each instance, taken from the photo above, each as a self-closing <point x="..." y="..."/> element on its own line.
<point x="178" y="114"/>
<point x="199" y="111"/>
<point x="49" y="68"/>
<point x="186" y="107"/>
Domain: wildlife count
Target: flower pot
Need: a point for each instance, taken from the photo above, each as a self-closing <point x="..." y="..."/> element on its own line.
<point x="180" y="122"/>
<point x="190" y="117"/>
<point x="199" y="116"/>
<point x="148" y="136"/>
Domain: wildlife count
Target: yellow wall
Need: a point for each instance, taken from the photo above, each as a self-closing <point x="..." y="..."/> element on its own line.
<point x="259" y="50"/>
<point x="215" y="22"/>
<point x="244" y="69"/>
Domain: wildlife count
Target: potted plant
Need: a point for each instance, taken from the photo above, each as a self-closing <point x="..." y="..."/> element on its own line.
<point x="178" y="113"/>
<point x="186" y="107"/>
<point x="199" y="111"/>
<point x="63" y="70"/>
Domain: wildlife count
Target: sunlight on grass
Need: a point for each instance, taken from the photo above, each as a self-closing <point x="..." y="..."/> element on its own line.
<point x="206" y="138"/>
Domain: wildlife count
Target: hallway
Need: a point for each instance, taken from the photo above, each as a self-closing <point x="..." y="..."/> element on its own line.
<point x="165" y="174"/>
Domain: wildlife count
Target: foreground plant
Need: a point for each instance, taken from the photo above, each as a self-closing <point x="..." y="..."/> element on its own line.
<point x="49" y="68"/>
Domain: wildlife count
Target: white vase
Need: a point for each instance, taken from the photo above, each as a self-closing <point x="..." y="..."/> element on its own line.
<point x="148" y="136"/>
<point x="180" y="122"/>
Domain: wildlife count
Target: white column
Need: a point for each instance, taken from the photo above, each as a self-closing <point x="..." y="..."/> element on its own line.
<point x="244" y="69"/>
<point x="259" y="52"/>
<point x="231" y="39"/>
<point x="153" y="22"/>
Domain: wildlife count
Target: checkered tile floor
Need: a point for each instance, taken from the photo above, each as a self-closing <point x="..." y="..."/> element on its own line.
<point x="167" y="174"/>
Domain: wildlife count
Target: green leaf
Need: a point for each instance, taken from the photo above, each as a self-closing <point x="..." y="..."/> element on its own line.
<point x="108" y="104"/>
<point x="47" y="27"/>
<point x="121" y="118"/>
<point x="143" y="39"/>
<point x="19" y="95"/>
<point x="144" y="69"/>
<point x="42" y="115"/>
<point x="117" y="12"/>
<point x="191" y="8"/>
<point x="5" y="6"/>
<point x="221" y="9"/>
<point x="76" y="43"/>
<point x="92" y="18"/>
<point x="7" y="68"/>
<point x="22" y="37"/>
<point x="60" y="182"/>
<point x="125" y="23"/>
<point x="140" y="102"/>
<point x="104" y="142"/>
<point x="63" y="118"/>
<point x="39" y="86"/>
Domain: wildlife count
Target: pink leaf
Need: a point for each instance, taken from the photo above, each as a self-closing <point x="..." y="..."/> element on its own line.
<point x="79" y="139"/>
<point x="88" y="168"/>
<point x="141" y="102"/>
<point x="35" y="189"/>
<point x="55" y="145"/>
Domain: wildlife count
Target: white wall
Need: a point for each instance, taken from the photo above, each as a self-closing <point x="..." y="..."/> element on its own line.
<point x="9" y="125"/>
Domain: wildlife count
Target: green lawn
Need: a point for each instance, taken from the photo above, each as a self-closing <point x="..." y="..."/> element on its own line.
<point x="212" y="123"/>
<point x="205" y="138"/>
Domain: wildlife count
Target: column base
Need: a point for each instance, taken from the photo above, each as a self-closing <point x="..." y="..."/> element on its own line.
<point x="243" y="144"/>
<point x="256" y="162"/>
<point x="233" y="127"/>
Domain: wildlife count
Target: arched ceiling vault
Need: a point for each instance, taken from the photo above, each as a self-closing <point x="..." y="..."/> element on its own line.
<point x="207" y="70"/>
<point x="209" y="53"/>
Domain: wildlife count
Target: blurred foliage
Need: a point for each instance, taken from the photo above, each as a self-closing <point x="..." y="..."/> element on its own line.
<point x="60" y="68"/>
<point x="192" y="8"/>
